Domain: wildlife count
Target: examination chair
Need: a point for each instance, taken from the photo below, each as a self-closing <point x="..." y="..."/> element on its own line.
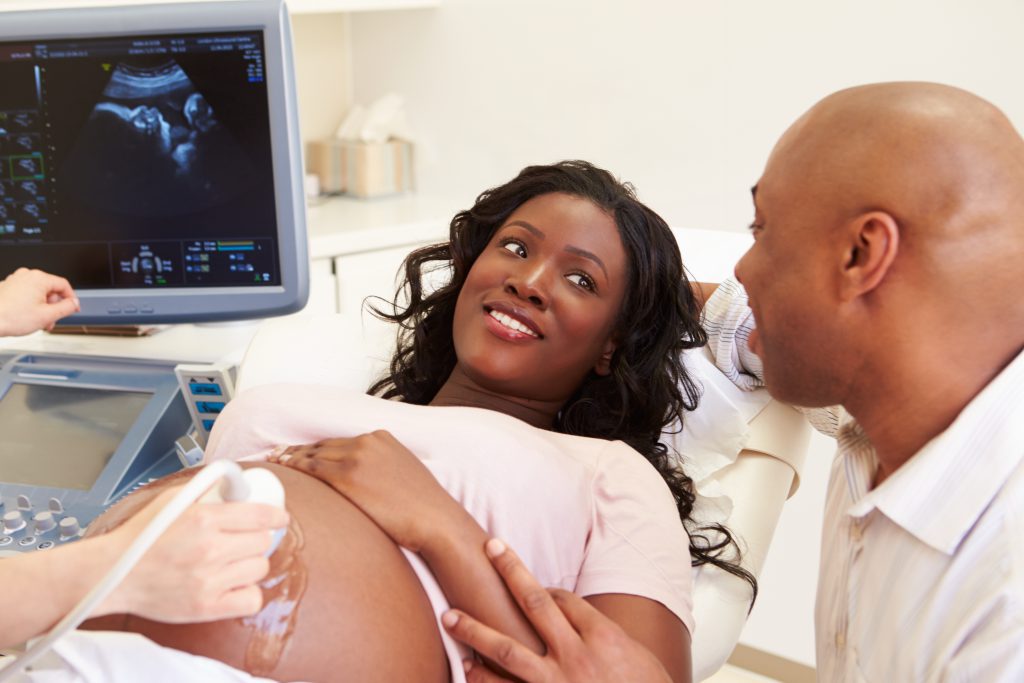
<point x="744" y="450"/>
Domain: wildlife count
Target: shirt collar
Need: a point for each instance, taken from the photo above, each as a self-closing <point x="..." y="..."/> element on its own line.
<point x="941" y="491"/>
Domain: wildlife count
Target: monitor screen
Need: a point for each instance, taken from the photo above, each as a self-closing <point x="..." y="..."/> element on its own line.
<point x="63" y="436"/>
<point x="152" y="167"/>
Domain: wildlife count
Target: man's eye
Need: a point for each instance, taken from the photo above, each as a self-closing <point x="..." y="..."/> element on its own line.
<point x="515" y="246"/>
<point x="582" y="280"/>
<point x="755" y="228"/>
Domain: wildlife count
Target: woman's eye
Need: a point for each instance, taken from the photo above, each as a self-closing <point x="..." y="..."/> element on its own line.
<point x="515" y="247"/>
<point x="582" y="280"/>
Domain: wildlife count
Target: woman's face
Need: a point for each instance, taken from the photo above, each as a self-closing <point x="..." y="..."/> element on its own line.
<point x="538" y="308"/>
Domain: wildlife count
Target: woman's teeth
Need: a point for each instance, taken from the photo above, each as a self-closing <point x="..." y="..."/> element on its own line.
<point x="512" y="323"/>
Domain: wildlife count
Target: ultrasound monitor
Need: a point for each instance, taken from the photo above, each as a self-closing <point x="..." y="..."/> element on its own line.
<point x="150" y="154"/>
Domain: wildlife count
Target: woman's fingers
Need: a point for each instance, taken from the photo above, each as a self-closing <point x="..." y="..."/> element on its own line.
<point x="509" y="654"/>
<point x="535" y="600"/>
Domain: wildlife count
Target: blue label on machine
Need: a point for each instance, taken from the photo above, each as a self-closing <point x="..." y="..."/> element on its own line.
<point x="204" y="389"/>
<point x="209" y="406"/>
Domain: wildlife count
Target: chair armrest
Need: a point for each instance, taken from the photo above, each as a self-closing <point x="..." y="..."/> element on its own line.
<point x="763" y="476"/>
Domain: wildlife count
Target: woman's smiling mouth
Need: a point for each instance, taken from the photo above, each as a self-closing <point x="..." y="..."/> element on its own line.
<point x="509" y="323"/>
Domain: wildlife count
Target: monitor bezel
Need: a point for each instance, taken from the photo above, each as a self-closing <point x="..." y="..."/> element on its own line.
<point x="215" y="303"/>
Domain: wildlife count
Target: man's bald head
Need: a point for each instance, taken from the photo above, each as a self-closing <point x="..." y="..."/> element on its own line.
<point x="892" y="221"/>
<point x="946" y="164"/>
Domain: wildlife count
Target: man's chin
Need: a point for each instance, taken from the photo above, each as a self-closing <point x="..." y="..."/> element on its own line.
<point x="754" y="344"/>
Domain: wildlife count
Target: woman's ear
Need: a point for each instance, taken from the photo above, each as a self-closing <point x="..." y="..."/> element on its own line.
<point x="603" y="367"/>
<point x="873" y="240"/>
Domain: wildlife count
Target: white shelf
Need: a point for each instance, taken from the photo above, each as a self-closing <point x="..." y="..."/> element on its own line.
<point x="341" y="226"/>
<point x="207" y="343"/>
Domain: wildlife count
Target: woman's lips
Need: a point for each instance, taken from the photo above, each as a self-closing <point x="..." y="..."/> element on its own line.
<point x="513" y="317"/>
<point x="506" y="327"/>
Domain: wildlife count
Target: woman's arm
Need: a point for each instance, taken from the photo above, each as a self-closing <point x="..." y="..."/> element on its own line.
<point x="205" y="567"/>
<point x="653" y="626"/>
<point x="394" y="488"/>
<point x="584" y="645"/>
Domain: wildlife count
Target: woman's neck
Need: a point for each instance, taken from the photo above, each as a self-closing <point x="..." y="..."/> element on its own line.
<point x="460" y="390"/>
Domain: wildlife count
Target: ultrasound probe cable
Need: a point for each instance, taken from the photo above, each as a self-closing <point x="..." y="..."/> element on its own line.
<point x="234" y="488"/>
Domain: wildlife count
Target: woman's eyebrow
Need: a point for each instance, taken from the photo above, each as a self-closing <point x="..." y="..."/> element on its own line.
<point x="536" y="232"/>
<point x="588" y="255"/>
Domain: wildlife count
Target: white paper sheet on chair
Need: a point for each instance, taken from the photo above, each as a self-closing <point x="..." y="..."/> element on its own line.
<point x="714" y="434"/>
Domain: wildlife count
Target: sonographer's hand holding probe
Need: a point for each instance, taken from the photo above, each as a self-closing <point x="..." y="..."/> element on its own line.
<point x="205" y="566"/>
<point x="32" y="300"/>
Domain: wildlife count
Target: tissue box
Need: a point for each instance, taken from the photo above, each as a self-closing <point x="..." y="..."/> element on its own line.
<point x="361" y="169"/>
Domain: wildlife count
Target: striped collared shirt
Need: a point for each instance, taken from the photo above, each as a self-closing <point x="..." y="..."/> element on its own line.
<point x="921" y="578"/>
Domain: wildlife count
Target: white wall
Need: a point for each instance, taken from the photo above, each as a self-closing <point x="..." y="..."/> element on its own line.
<point x="684" y="98"/>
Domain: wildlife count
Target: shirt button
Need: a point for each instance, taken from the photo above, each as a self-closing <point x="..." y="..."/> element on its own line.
<point x="856" y="531"/>
<point x="840" y="640"/>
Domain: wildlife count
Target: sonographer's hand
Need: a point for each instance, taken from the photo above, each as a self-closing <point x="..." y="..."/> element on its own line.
<point x="205" y="567"/>
<point x="32" y="300"/>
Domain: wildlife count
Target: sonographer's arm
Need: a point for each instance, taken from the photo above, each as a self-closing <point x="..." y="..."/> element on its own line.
<point x="205" y="567"/>
<point x="32" y="300"/>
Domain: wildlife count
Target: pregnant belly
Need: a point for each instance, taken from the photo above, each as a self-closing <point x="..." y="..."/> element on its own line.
<point x="341" y="602"/>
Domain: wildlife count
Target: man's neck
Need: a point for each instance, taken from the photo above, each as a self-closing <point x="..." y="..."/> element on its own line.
<point x="906" y="407"/>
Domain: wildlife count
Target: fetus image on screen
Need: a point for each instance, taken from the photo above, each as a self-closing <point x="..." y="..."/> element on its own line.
<point x="154" y="119"/>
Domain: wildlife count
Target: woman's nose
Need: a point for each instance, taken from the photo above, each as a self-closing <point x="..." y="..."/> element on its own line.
<point x="529" y="285"/>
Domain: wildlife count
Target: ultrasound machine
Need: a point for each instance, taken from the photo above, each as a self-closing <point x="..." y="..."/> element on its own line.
<point x="150" y="154"/>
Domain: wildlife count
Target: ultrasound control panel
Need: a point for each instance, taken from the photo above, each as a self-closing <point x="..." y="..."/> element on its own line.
<point x="79" y="434"/>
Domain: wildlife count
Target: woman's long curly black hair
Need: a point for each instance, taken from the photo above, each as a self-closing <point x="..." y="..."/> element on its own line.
<point x="648" y="389"/>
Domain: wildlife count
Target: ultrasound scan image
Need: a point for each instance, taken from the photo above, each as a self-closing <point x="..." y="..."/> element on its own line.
<point x="153" y="146"/>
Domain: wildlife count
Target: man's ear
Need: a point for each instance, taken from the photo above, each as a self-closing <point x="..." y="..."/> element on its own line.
<point x="873" y="240"/>
<point x="603" y="367"/>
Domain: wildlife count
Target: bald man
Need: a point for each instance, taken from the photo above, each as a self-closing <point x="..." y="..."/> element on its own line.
<point x="887" y="278"/>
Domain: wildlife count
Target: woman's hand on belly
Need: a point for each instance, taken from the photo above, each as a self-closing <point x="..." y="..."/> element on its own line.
<point x="388" y="483"/>
<point x="394" y="488"/>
